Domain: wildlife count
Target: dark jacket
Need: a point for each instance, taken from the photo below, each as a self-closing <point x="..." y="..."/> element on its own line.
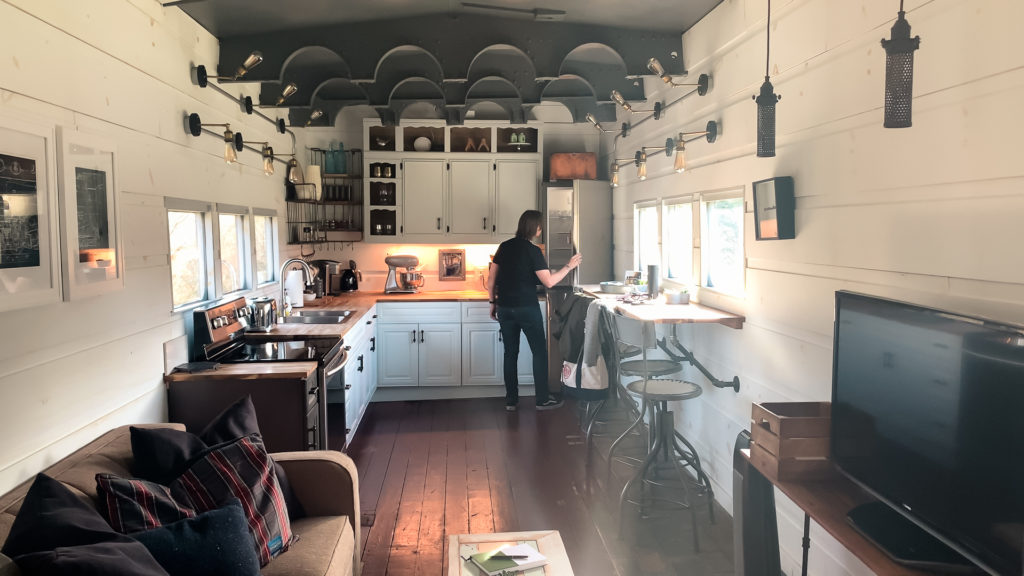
<point x="567" y="326"/>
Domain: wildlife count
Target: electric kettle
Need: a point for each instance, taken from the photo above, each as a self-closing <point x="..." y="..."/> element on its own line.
<point x="350" y="278"/>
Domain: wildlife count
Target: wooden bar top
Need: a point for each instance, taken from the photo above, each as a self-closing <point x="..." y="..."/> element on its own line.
<point x="827" y="502"/>
<point x="661" y="313"/>
<point x="250" y="371"/>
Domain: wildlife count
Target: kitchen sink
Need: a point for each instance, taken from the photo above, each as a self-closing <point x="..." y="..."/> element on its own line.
<point x="317" y="317"/>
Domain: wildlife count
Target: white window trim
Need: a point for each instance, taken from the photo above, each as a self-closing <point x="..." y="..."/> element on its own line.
<point x="706" y="197"/>
<point x="246" y="250"/>
<point x="204" y="209"/>
<point x="693" y="200"/>
<point x="275" y="256"/>
<point x="636" y="231"/>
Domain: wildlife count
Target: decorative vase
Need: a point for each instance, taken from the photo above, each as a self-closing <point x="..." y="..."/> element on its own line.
<point x="421" y="144"/>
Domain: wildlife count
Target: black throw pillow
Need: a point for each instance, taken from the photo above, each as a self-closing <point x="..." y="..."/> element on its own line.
<point x="162" y="454"/>
<point x="57" y="533"/>
<point x="215" y="543"/>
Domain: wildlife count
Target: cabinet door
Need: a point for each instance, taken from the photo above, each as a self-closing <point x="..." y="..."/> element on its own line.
<point x="440" y="355"/>
<point x="398" y="363"/>
<point x="423" y="196"/>
<point x="469" y="183"/>
<point x="482" y="354"/>
<point x="515" y="190"/>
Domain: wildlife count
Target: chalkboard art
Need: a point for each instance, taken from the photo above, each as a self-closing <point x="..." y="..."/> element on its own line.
<point x="19" y="213"/>
<point x="93" y="229"/>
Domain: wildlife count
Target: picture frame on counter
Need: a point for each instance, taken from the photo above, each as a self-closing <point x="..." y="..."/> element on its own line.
<point x="89" y="206"/>
<point x="29" y="229"/>
<point x="451" y="264"/>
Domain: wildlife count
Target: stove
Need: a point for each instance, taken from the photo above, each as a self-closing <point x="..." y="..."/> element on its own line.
<point x="286" y="351"/>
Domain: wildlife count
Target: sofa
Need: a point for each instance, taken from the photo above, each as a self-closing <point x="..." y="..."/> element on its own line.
<point x="324" y="482"/>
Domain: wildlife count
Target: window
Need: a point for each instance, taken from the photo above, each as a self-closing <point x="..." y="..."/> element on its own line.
<point x="646" y="239"/>
<point x="722" y="257"/>
<point x="233" y="253"/>
<point x="188" y="261"/>
<point x="677" y="240"/>
<point x="265" y="244"/>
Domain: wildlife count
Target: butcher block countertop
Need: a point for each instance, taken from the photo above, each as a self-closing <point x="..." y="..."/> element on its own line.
<point x="250" y="371"/>
<point x="359" y="303"/>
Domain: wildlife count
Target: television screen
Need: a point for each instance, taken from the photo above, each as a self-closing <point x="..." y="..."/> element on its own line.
<point x="925" y="416"/>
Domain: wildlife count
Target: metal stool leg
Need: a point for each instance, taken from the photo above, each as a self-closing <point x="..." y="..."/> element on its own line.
<point x="693" y="460"/>
<point x="611" y="450"/>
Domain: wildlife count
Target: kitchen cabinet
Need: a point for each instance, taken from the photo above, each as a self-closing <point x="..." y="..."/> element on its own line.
<point x="483" y="351"/>
<point x="469" y="191"/>
<point x="423" y="198"/>
<point x="420" y="344"/>
<point x="360" y="372"/>
<point x="516" y="189"/>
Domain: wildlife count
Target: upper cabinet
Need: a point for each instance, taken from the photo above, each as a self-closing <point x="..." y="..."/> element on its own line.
<point x="441" y="184"/>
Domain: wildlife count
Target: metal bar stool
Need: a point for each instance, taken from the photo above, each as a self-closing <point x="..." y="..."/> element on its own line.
<point x="656" y="392"/>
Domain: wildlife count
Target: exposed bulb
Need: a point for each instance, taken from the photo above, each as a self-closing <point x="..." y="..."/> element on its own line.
<point x="315" y="115"/>
<point x="641" y="169"/>
<point x="617" y="97"/>
<point x="593" y="120"/>
<point x="289" y="90"/>
<point x="679" y="165"/>
<point x="293" y="171"/>
<point x="254" y="59"/>
<point x="268" y="160"/>
<point x="230" y="156"/>
<point x="615" y="175"/>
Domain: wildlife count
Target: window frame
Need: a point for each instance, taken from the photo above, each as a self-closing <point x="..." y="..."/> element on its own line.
<point x="273" y="252"/>
<point x="637" y="206"/>
<point x="245" y="250"/>
<point x="692" y="200"/>
<point x="205" y="212"/>
<point x="705" y="199"/>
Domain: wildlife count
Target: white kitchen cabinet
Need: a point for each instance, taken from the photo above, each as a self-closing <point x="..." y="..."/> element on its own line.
<point x="423" y="197"/>
<point x="420" y="344"/>
<point x="360" y="372"/>
<point x="398" y="362"/>
<point x="482" y="353"/>
<point x="515" y="191"/>
<point x="440" y="354"/>
<point x="470" y="197"/>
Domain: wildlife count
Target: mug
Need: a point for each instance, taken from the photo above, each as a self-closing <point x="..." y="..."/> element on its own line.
<point x="375" y="170"/>
<point x="387" y="170"/>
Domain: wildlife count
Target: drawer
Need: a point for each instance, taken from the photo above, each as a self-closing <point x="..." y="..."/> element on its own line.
<point x="415" y="312"/>
<point x="476" y="312"/>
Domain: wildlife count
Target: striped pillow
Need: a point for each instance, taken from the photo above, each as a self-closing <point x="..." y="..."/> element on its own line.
<point x="132" y="505"/>
<point x="240" y="469"/>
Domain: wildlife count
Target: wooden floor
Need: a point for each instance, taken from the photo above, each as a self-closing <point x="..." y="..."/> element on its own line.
<point x="428" y="469"/>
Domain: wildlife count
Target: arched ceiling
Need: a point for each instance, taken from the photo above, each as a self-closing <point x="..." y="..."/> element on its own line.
<point x="450" y="64"/>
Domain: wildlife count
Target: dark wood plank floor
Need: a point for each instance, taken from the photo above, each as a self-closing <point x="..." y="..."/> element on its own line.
<point x="429" y="469"/>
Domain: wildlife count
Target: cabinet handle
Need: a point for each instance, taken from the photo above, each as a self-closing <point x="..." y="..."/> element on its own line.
<point x="368" y="322"/>
<point x="373" y="344"/>
<point x="485" y="223"/>
<point x="413" y="336"/>
<point x="439" y="223"/>
<point x="499" y="337"/>
<point x="360" y="369"/>
<point x="494" y="228"/>
<point x="348" y="431"/>
<point x="447" y="228"/>
<point x="401" y="229"/>
<point x="348" y="386"/>
<point x="315" y="391"/>
<point x="421" y="335"/>
<point x="347" y="348"/>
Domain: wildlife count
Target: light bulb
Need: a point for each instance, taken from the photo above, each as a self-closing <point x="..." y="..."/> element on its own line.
<point x="289" y="89"/>
<point x="253" y="60"/>
<point x="680" y="160"/>
<point x="593" y="120"/>
<point x="617" y="97"/>
<point x="641" y="169"/>
<point x="293" y="171"/>
<point x="230" y="156"/>
<point x="268" y="160"/>
<point x="315" y="115"/>
<point x="615" y="175"/>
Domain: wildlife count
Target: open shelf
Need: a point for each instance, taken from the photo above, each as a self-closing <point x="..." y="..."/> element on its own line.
<point x="472" y="140"/>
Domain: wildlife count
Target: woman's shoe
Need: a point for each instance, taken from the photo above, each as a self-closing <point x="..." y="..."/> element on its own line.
<point x="550" y="404"/>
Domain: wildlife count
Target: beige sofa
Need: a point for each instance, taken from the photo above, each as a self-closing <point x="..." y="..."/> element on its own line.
<point x="324" y="482"/>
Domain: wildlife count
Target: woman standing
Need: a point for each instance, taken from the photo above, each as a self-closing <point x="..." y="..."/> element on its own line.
<point x="512" y="286"/>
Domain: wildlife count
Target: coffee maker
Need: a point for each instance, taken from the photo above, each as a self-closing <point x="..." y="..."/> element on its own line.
<point x="406" y="281"/>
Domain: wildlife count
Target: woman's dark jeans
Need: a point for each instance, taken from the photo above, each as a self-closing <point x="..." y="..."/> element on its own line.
<point x="527" y="319"/>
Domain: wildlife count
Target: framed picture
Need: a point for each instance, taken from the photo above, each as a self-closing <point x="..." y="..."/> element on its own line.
<point x="451" y="264"/>
<point x="29" y="236"/>
<point x="90" y="236"/>
<point x="774" y="205"/>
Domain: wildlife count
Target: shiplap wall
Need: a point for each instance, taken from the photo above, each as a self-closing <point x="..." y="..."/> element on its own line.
<point x="120" y="69"/>
<point x="928" y="214"/>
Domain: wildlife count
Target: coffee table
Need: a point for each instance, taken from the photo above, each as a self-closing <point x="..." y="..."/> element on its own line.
<point x="547" y="542"/>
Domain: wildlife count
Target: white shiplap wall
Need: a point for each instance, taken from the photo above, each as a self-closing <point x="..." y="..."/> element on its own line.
<point x="120" y="69"/>
<point x="928" y="214"/>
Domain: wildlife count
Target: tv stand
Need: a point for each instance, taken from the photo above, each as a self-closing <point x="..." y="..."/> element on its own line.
<point x="905" y="542"/>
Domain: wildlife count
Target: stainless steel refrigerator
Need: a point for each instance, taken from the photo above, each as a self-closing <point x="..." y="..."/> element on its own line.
<point x="577" y="218"/>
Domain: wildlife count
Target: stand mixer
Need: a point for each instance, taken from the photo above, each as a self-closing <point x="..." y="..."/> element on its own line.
<point x="406" y="282"/>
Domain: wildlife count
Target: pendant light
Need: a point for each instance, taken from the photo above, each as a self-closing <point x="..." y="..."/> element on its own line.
<point x="899" y="72"/>
<point x="766" y="101"/>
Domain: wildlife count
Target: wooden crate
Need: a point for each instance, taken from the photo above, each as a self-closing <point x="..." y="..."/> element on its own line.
<point x="573" y="166"/>
<point x="791" y="439"/>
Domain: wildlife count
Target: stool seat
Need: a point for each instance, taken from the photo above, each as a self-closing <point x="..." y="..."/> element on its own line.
<point x="628" y="350"/>
<point x="654" y="368"/>
<point x="665" y="390"/>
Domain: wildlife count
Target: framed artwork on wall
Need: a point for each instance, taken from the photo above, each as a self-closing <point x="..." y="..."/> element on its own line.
<point x="29" y="236"/>
<point x="774" y="207"/>
<point x="451" y="264"/>
<point x="90" y="235"/>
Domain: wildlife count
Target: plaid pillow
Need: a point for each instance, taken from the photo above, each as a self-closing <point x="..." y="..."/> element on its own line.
<point x="240" y="469"/>
<point x="132" y="505"/>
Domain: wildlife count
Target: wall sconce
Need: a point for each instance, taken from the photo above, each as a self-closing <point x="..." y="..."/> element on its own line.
<point x="766" y="101"/>
<point x="616" y="164"/>
<point x="677" y="147"/>
<point x="314" y="115"/>
<point x="233" y="141"/>
<point x="641" y="164"/>
<point x="617" y="97"/>
<point x="253" y="60"/>
<point x="899" y="72"/>
<point x="289" y="90"/>
<point x="294" y="172"/>
<point x="268" y="157"/>
<point x="624" y="131"/>
<point x="702" y="83"/>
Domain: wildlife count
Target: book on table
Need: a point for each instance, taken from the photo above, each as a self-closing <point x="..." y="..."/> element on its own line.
<point x="508" y="559"/>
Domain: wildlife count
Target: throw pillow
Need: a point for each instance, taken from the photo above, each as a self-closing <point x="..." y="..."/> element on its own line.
<point x="162" y="454"/>
<point x="240" y="469"/>
<point x="57" y="533"/>
<point x="215" y="543"/>
<point x="133" y="505"/>
<point x="8" y="567"/>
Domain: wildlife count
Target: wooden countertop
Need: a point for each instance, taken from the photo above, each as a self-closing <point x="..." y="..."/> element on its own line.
<point x="661" y="313"/>
<point x="250" y="371"/>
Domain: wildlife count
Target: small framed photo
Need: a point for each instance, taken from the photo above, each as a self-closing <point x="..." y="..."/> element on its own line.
<point x="774" y="206"/>
<point x="451" y="264"/>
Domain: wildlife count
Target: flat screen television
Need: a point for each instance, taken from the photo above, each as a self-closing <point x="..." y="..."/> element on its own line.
<point x="926" y="415"/>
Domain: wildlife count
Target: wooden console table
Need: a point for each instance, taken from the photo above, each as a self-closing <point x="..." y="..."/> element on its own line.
<point x="827" y="503"/>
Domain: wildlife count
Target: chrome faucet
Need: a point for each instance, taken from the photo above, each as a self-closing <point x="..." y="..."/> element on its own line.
<point x="307" y="277"/>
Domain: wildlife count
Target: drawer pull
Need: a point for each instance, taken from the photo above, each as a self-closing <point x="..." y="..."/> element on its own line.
<point x="413" y="336"/>
<point x="360" y="369"/>
<point x="421" y="336"/>
<point x="373" y="344"/>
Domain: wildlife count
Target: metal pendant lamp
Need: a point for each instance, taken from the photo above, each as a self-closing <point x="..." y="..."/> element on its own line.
<point x="899" y="72"/>
<point x="766" y="101"/>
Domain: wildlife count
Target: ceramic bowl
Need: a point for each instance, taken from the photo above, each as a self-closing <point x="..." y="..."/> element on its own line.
<point x="614" y="287"/>
<point x="421" y="144"/>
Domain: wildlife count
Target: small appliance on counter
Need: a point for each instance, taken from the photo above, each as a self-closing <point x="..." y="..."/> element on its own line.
<point x="262" y="315"/>
<point x="407" y="281"/>
<point x="330" y="271"/>
<point x="350" y="277"/>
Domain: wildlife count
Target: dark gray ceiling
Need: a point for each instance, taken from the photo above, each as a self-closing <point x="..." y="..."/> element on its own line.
<point x="225" y="18"/>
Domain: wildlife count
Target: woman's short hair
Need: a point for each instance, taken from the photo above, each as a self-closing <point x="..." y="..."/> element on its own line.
<point x="528" y="224"/>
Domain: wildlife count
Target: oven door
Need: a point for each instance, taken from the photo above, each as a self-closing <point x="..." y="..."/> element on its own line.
<point x="332" y="383"/>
